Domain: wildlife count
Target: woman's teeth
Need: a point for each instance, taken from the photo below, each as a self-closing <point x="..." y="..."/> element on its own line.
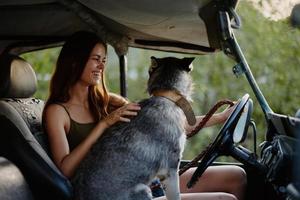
<point x="97" y="73"/>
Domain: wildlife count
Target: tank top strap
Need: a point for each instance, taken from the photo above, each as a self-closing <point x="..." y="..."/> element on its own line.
<point x="62" y="105"/>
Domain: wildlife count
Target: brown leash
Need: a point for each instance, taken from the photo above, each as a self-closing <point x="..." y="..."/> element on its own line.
<point x="180" y="101"/>
<point x="201" y="124"/>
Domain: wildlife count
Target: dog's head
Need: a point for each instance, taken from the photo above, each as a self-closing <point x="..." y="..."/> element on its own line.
<point x="171" y="73"/>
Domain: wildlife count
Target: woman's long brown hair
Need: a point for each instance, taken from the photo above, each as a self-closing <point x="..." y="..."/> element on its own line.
<point x="69" y="67"/>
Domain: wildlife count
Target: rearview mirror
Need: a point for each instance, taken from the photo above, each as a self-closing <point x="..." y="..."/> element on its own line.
<point x="241" y="128"/>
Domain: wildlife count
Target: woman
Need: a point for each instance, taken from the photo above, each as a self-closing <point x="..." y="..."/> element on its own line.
<point x="79" y="109"/>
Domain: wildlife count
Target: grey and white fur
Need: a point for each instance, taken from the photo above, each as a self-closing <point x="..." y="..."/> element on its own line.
<point x="124" y="161"/>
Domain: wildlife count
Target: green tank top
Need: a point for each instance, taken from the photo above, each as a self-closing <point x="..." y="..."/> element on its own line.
<point x="78" y="131"/>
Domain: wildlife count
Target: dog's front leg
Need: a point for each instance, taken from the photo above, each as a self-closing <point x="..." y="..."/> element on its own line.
<point x="172" y="185"/>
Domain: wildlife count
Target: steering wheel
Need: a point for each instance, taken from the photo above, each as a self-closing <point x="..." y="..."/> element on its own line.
<point x="223" y="143"/>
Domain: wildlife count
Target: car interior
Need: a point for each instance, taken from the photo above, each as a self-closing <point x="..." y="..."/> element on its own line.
<point x="27" y="171"/>
<point x="12" y="182"/>
<point x="22" y="140"/>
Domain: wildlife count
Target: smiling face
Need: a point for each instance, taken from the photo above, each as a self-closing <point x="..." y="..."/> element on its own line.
<point x="94" y="68"/>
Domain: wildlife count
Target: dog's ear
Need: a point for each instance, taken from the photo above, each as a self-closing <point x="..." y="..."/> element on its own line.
<point x="187" y="63"/>
<point x="154" y="64"/>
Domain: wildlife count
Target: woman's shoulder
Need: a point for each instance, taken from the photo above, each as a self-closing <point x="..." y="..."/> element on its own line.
<point x="56" y="109"/>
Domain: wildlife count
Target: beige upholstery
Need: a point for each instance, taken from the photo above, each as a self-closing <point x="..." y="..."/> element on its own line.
<point x="17" y="77"/>
<point x="23" y="81"/>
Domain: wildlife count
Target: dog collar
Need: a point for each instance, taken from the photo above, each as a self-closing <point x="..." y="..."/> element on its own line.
<point x="180" y="101"/>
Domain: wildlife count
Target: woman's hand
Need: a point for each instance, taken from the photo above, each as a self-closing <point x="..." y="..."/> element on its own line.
<point x="225" y="114"/>
<point x="122" y="114"/>
<point x="215" y="119"/>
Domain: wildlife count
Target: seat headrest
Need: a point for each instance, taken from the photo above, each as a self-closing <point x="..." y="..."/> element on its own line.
<point x="17" y="78"/>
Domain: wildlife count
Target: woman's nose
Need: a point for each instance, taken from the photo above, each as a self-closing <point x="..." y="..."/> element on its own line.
<point x="100" y="64"/>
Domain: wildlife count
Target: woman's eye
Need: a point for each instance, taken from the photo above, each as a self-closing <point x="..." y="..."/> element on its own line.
<point x="98" y="60"/>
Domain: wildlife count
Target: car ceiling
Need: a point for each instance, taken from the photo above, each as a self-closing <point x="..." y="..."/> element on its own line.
<point x="188" y="26"/>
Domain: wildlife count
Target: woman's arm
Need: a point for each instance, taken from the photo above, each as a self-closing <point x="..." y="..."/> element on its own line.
<point x="57" y="123"/>
<point x="217" y="118"/>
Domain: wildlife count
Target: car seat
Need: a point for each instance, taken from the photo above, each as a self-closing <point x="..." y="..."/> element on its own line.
<point x="13" y="186"/>
<point x="22" y="140"/>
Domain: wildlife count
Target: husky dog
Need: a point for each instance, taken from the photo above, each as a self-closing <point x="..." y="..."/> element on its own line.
<point x="124" y="161"/>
